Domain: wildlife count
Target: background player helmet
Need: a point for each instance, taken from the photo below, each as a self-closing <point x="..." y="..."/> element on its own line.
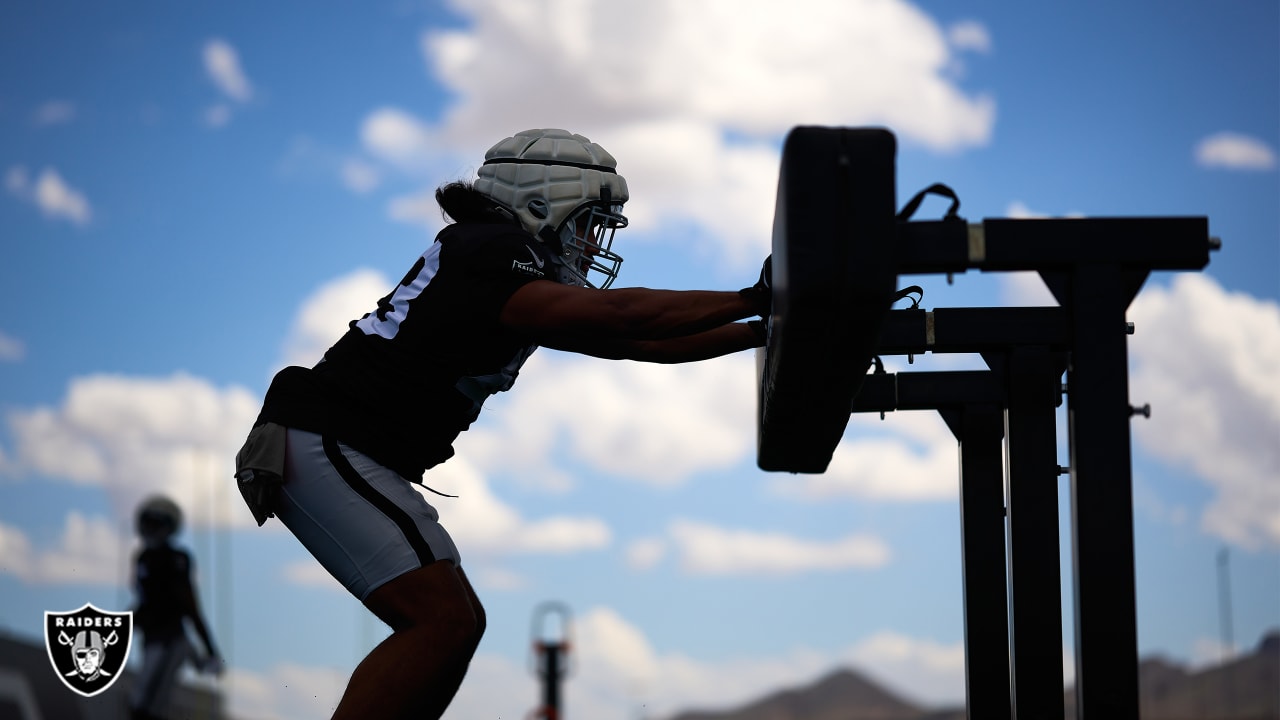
<point x="159" y="518"/>
<point x="565" y="190"/>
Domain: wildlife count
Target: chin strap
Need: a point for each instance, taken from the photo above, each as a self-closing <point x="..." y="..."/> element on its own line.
<point x="552" y="239"/>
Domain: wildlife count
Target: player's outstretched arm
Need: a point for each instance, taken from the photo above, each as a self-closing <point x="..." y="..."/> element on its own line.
<point x="549" y="312"/>
<point x="723" y="340"/>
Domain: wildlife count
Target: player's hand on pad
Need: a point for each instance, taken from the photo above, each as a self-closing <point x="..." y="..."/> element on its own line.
<point x="761" y="294"/>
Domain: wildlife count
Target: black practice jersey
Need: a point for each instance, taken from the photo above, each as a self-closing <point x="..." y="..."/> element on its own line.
<point x="407" y="378"/>
<point x="162" y="583"/>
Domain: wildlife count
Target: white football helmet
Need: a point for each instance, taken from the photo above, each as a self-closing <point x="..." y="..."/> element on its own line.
<point x="566" y="190"/>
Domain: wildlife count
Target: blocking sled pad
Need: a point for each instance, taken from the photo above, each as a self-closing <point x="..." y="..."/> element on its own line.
<point x="834" y="277"/>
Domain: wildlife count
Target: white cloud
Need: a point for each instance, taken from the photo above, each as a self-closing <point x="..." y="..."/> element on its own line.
<point x="970" y="35"/>
<point x="934" y="670"/>
<point x="1234" y="151"/>
<point x="284" y="692"/>
<point x="1208" y="362"/>
<point x="11" y="349"/>
<point x="59" y="200"/>
<point x="222" y="63"/>
<point x="622" y="675"/>
<point x="1025" y="289"/>
<point x="917" y="461"/>
<point x="688" y="117"/>
<point x="708" y="550"/>
<point x="90" y="551"/>
<point x="863" y="62"/>
<point x="418" y="209"/>
<point x="618" y="674"/>
<point x="482" y="525"/>
<point x="325" y="315"/>
<point x="656" y="424"/>
<point x="136" y="436"/>
<point x="397" y="137"/>
<point x="1207" y="652"/>
<point x="50" y="193"/>
<point x="1018" y="210"/>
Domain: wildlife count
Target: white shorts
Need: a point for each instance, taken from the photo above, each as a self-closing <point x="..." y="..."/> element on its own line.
<point x="364" y="523"/>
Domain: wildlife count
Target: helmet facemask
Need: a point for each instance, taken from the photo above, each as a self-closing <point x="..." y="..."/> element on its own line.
<point x="586" y="241"/>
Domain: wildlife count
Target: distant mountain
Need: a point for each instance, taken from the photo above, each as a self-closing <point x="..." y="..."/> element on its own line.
<point x="1247" y="687"/>
<point x="1244" y="688"/>
<point x="842" y="695"/>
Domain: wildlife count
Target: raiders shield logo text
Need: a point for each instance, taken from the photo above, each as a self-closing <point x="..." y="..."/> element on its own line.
<point x="88" y="647"/>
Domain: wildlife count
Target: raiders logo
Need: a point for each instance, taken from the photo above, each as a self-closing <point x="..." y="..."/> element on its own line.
<point x="88" y="647"/>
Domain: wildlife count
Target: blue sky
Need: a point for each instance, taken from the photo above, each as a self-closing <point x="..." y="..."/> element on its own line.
<point x="196" y="195"/>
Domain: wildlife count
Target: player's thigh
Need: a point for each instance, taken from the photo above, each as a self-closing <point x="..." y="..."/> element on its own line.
<point x="364" y="523"/>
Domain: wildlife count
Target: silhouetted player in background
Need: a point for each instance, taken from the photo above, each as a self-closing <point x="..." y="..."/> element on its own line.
<point x="166" y="602"/>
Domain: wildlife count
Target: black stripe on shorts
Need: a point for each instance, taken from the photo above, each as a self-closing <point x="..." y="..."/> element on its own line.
<point x="384" y="505"/>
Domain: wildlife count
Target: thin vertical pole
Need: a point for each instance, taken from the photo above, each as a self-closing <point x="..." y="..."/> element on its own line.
<point x="1224" y="605"/>
<point x="980" y="431"/>
<point x="1035" y="582"/>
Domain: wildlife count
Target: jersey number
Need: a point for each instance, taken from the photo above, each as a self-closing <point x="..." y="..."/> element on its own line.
<point x="394" y="308"/>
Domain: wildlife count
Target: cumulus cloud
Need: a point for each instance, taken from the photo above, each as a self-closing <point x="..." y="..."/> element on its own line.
<point x="1208" y="362"/>
<point x="916" y="461"/>
<point x="688" y="118"/>
<point x="1205" y="359"/>
<point x="397" y="137"/>
<point x="89" y="551"/>
<point x="709" y="550"/>
<point x="925" y="666"/>
<point x="656" y="424"/>
<point x="50" y="193"/>
<point x="1234" y="151"/>
<point x="863" y="62"/>
<point x="419" y="209"/>
<point x="1025" y="289"/>
<point x="619" y="674"/>
<point x="325" y="315"/>
<point x="483" y="525"/>
<point x="137" y="436"/>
